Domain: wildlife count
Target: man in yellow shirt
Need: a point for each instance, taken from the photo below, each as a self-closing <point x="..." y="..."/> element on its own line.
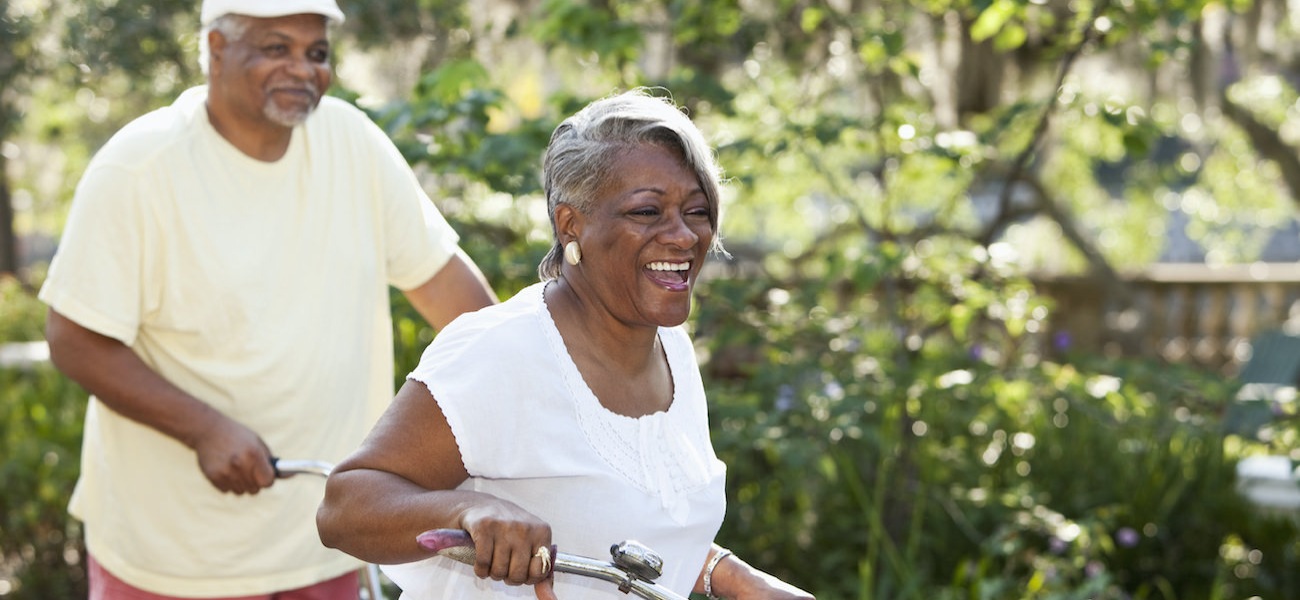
<point x="221" y="289"/>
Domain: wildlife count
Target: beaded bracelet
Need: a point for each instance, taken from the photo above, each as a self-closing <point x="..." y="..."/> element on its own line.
<point x="708" y="572"/>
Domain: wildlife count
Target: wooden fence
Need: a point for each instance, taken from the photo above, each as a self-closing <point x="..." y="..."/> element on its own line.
<point x="1192" y="314"/>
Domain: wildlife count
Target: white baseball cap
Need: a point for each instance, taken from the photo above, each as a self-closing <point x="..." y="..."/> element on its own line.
<point x="269" y="8"/>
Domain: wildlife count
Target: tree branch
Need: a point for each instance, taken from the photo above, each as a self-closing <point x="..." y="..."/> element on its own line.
<point x="1021" y="163"/>
<point x="1267" y="142"/>
<point x="1074" y="234"/>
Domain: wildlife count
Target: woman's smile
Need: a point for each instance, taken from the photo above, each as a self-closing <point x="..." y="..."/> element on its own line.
<point x="672" y="276"/>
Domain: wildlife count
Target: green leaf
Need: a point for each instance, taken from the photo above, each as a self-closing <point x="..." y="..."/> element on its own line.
<point x="1012" y="36"/>
<point x="811" y="18"/>
<point x="449" y="82"/>
<point x="992" y="20"/>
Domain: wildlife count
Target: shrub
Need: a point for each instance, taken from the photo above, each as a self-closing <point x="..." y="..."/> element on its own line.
<point x="41" y="413"/>
<point x="893" y="430"/>
<point x="22" y="316"/>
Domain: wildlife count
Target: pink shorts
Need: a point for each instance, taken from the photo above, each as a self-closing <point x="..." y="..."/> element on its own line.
<point x="104" y="586"/>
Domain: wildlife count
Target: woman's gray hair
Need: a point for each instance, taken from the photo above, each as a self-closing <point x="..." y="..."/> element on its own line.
<point x="232" y="27"/>
<point x="584" y="147"/>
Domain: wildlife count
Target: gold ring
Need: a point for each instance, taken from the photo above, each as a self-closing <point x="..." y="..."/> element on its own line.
<point x="544" y="553"/>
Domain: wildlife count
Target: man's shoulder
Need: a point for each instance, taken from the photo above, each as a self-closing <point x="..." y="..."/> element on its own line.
<point x="155" y="132"/>
<point x="339" y="126"/>
<point x="328" y="102"/>
<point x="336" y="110"/>
<point x="179" y="116"/>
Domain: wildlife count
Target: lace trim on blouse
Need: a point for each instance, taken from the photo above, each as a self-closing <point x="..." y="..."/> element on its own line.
<point x="663" y="453"/>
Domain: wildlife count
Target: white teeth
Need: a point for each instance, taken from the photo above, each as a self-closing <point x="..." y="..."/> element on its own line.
<point x="667" y="266"/>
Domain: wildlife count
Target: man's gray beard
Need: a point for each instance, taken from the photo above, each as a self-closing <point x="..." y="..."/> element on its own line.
<point x="286" y="118"/>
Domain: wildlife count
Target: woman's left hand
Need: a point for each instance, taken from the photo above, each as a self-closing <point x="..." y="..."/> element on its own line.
<point x="734" y="579"/>
<point x="762" y="586"/>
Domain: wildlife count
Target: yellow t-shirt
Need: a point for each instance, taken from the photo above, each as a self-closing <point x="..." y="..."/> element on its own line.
<point x="260" y="288"/>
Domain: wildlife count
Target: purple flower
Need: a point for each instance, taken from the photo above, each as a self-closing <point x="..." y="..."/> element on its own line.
<point x="1094" y="568"/>
<point x="1126" y="537"/>
<point x="1057" y="545"/>
<point x="976" y="351"/>
<point x="785" y="398"/>
<point x="1062" y="340"/>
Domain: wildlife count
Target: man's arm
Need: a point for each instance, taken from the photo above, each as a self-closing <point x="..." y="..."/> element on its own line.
<point x="231" y="455"/>
<point x="458" y="287"/>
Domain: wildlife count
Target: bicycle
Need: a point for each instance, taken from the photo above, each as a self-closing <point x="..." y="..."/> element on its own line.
<point x="633" y="567"/>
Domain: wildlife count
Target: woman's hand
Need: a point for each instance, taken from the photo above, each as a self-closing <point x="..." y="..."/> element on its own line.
<point x="453" y="543"/>
<point x="511" y="545"/>
<point x="767" y="587"/>
<point x="734" y="579"/>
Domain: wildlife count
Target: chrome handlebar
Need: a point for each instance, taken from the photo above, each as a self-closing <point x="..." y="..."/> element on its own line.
<point x="285" y="469"/>
<point x="633" y="567"/>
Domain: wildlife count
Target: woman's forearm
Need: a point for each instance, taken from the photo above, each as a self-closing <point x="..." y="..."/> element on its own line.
<point x="375" y="516"/>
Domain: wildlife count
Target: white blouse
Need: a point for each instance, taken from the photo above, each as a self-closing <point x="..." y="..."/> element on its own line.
<point x="530" y="431"/>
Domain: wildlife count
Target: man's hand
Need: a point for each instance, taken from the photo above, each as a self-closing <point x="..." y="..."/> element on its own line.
<point x="231" y="456"/>
<point x="234" y="458"/>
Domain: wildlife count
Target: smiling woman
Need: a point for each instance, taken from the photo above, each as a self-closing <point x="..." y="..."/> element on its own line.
<point x="643" y="239"/>
<point x="572" y="414"/>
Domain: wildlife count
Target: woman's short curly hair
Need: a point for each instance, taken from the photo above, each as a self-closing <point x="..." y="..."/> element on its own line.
<point x="583" y="148"/>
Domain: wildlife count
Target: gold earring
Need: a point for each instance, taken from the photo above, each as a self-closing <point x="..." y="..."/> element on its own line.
<point x="572" y="253"/>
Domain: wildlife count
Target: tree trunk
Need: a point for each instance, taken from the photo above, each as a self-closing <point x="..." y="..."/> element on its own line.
<point x="978" y="75"/>
<point x="8" y="239"/>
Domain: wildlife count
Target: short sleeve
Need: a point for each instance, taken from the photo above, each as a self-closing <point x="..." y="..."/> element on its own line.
<point x="466" y="380"/>
<point x="97" y="276"/>
<point x="493" y="377"/>
<point x="418" y="240"/>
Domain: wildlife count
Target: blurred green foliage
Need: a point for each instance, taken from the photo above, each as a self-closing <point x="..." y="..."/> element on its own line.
<point x="40" y="442"/>
<point x="456" y="101"/>
<point x="893" y="432"/>
<point x="22" y="318"/>
<point x="40" y="439"/>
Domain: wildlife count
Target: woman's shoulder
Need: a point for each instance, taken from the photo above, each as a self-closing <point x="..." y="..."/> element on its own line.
<point x="493" y="332"/>
<point x="499" y="319"/>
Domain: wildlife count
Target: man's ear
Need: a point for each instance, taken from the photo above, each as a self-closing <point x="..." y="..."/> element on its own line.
<point x="568" y="223"/>
<point x="216" y="49"/>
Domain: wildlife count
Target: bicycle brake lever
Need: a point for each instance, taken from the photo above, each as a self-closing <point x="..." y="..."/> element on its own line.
<point x="451" y="543"/>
